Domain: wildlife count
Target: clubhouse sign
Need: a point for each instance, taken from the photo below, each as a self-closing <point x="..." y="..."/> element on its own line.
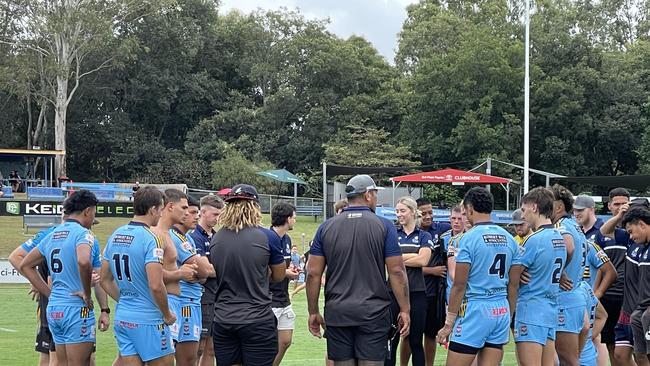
<point x="21" y="208"/>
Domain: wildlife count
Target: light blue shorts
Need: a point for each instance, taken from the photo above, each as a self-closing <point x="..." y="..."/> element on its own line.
<point x="71" y="324"/>
<point x="480" y="322"/>
<point x="189" y="322"/>
<point x="533" y="333"/>
<point x="149" y="342"/>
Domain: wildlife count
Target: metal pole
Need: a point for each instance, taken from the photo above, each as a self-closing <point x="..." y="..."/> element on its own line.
<point x="324" y="191"/>
<point x="295" y="194"/>
<point x="508" y="196"/>
<point x="393" y="192"/>
<point x="548" y="181"/>
<point x="527" y="100"/>
<point x="488" y="171"/>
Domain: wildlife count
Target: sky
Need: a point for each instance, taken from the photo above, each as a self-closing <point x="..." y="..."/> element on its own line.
<point x="378" y="21"/>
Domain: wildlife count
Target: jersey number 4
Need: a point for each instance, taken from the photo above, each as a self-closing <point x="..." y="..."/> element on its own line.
<point x="498" y="266"/>
<point x="118" y="268"/>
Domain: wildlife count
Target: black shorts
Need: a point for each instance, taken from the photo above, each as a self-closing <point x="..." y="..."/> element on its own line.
<point x="44" y="341"/>
<point x="207" y="316"/>
<point x="247" y="344"/>
<point x="436" y="314"/>
<point x="368" y="342"/>
<point x="613" y="308"/>
<point x="640" y="322"/>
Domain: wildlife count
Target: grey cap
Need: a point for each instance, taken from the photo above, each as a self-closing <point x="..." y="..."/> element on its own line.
<point x="517" y="217"/>
<point x="583" y="202"/>
<point x="360" y="184"/>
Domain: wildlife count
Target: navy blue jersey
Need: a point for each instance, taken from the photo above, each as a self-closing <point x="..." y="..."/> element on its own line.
<point x="412" y="243"/>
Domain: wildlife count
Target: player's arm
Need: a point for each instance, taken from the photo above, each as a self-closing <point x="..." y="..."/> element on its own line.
<point x="599" y="320"/>
<point x="398" y="281"/>
<point x="203" y="267"/>
<point x="158" y="290"/>
<point x="609" y="227"/>
<point x="28" y="268"/>
<point x="514" y="276"/>
<point x="607" y="275"/>
<point x="17" y="256"/>
<point x="107" y="281"/>
<point x="315" y="269"/>
<point x="84" y="263"/>
<point x="419" y="259"/>
<point x="277" y="263"/>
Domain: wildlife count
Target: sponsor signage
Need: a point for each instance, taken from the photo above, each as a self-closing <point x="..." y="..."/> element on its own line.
<point x="8" y="274"/>
<point x="21" y="208"/>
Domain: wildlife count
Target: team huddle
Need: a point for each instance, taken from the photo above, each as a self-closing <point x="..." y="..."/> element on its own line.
<point x="573" y="291"/>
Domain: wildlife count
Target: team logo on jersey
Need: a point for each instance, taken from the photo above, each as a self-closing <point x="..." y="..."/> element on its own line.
<point x="561" y="319"/>
<point x="523" y="330"/>
<point x="645" y="255"/>
<point x="635" y="252"/>
<point x="90" y="237"/>
<point x="158" y="253"/>
<point x="459" y="330"/>
<point x="84" y="330"/>
<point x="186" y="329"/>
<point x="187" y="246"/>
<point x="163" y="343"/>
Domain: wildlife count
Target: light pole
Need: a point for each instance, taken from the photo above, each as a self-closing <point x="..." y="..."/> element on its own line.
<point x="527" y="100"/>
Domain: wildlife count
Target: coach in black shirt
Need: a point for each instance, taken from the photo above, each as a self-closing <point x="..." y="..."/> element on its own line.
<point x="357" y="247"/>
<point x="244" y="330"/>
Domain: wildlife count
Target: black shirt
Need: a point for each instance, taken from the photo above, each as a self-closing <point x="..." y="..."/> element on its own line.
<point x="280" y="290"/>
<point x="202" y="239"/>
<point x="355" y="245"/>
<point x="631" y="294"/>
<point x="241" y="261"/>
<point x="616" y="250"/>
<point x="412" y="243"/>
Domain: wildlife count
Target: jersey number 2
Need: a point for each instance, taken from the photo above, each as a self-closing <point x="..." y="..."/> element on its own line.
<point x="557" y="273"/>
<point x="498" y="267"/>
<point x="118" y="268"/>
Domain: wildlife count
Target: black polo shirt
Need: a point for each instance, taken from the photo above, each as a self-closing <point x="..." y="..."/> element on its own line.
<point x="616" y="250"/>
<point x="355" y="245"/>
<point x="241" y="261"/>
<point x="412" y="243"/>
<point x="280" y="290"/>
<point x="201" y="239"/>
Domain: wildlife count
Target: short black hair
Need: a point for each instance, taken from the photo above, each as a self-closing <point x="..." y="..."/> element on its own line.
<point x="281" y="212"/>
<point x="480" y="199"/>
<point x="174" y="195"/>
<point x="543" y="198"/>
<point x="636" y="214"/>
<point x="619" y="192"/>
<point x="145" y="198"/>
<point x="79" y="201"/>
<point x="422" y="202"/>
<point x="191" y="201"/>
<point x="561" y="193"/>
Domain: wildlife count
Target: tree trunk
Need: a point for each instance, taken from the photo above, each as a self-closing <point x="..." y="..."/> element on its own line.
<point x="60" y="112"/>
<point x="29" y="120"/>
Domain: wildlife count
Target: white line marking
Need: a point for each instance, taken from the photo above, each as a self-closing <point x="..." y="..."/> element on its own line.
<point x="8" y="330"/>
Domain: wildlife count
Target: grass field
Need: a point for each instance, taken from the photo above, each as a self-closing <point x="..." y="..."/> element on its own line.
<point x="18" y="320"/>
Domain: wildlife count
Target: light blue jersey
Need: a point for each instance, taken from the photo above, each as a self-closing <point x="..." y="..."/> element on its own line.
<point x="60" y="251"/>
<point x="452" y="249"/>
<point x="544" y="258"/>
<point x="446" y="238"/>
<point x="36" y="239"/>
<point x="596" y="258"/>
<point x="574" y="269"/>
<point x="128" y="251"/>
<point x="186" y="250"/>
<point x="490" y="251"/>
<point x="589" y="353"/>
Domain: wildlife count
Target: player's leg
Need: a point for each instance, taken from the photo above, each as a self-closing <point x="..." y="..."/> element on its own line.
<point x="568" y="348"/>
<point x="118" y="361"/>
<point x="286" y="318"/>
<point x="490" y="355"/>
<point x="418" y="319"/>
<point x="162" y="361"/>
<point x="259" y="342"/>
<point x="61" y="355"/>
<point x="530" y="342"/>
<point x="436" y="313"/>
<point x="78" y="354"/>
<point x="548" y="353"/>
<point x="602" y="350"/>
<point x="404" y="353"/>
<point x="206" y="345"/>
<point x="187" y="347"/>
<point x="227" y="344"/>
<point x="430" y="347"/>
<point x="54" y="361"/>
<point x="608" y="334"/>
<point x="371" y="339"/>
<point x="638" y="333"/>
<point x="460" y="355"/>
<point x="207" y="356"/>
<point x="131" y="361"/>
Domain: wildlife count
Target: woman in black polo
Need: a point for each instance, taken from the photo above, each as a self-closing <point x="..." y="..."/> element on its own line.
<point x="416" y="246"/>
